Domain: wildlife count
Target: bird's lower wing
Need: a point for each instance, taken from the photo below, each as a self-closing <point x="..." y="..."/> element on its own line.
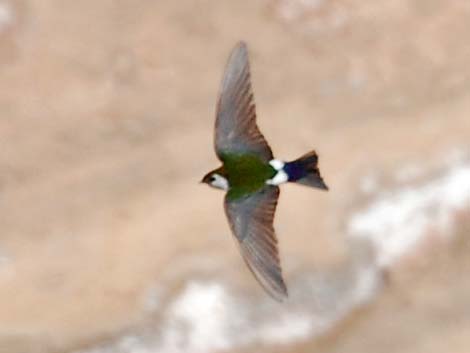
<point x="251" y="221"/>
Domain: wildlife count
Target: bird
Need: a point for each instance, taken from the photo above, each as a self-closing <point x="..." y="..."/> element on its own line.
<point x="251" y="176"/>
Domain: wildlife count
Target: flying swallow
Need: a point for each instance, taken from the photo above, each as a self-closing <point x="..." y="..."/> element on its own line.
<point x="250" y="174"/>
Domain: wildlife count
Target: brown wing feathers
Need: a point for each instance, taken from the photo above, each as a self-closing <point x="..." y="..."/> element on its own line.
<point x="235" y="128"/>
<point x="251" y="221"/>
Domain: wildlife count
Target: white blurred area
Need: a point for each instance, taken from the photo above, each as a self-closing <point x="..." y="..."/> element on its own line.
<point x="398" y="218"/>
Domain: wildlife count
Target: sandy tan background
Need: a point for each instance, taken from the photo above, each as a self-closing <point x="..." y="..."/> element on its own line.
<point x="106" y="116"/>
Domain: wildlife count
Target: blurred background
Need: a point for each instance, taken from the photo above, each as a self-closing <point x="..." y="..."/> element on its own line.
<point x="108" y="243"/>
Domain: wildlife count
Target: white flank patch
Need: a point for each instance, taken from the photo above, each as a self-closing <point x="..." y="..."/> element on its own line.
<point x="396" y="221"/>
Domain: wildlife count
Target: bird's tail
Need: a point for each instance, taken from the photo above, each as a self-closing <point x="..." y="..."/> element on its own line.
<point x="304" y="170"/>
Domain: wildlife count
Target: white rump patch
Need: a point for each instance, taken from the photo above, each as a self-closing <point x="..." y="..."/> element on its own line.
<point x="277" y="164"/>
<point x="281" y="176"/>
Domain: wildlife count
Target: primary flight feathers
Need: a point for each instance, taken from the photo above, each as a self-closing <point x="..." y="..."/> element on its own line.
<point x="235" y="124"/>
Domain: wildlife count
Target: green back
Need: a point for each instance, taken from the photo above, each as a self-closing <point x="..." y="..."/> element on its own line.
<point x="246" y="173"/>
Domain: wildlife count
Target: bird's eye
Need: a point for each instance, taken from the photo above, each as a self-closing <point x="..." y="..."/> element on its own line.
<point x="212" y="179"/>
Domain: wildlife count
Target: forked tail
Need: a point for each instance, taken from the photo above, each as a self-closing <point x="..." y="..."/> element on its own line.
<point x="304" y="170"/>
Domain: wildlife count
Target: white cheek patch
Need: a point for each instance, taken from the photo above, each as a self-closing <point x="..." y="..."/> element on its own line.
<point x="219" y="182"/>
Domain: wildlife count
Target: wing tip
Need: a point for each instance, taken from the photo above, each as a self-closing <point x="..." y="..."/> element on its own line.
<point x="279" y="294"/>
<point x="274" y="287"/>
<point x="240" y="50"/>
<point x="268" y="275"/>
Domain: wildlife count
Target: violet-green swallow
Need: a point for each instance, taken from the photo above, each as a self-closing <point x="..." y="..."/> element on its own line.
<point x="251" y="175"/>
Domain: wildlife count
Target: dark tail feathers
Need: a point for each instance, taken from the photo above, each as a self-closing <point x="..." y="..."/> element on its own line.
<point x="304" y="170"/>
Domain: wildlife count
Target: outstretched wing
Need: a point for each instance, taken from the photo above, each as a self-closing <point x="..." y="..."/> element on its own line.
<point x="235" y="126"/>
<point x="251" y="221"/>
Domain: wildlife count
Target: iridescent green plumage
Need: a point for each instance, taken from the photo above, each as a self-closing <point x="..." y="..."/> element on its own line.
<point x="246" y="173"/>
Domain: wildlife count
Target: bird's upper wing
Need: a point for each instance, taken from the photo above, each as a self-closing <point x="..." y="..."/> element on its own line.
<point x="251" y="221"/>
<point x="235" y="126"/>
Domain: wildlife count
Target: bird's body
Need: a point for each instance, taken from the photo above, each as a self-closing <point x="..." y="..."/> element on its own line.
<point x="251" y="175"/>
<point x="245" y="174"/>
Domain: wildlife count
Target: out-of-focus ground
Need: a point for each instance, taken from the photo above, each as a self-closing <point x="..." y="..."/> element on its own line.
<point x="109" y="244"/>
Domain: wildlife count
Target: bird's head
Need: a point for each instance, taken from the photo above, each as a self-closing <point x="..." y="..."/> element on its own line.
<point x="216" y="179"/>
